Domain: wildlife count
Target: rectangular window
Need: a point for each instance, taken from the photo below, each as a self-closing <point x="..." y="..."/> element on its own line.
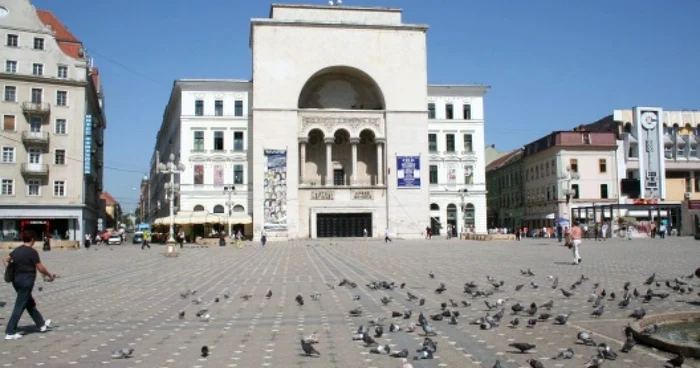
<point x="219" y="108"/>
<point x="573" y="164"/>
<point x="450" y="142"/>
<point x="468" y="143"/>
<point x="604" y="191"/>
<point x="238" y="141"/>
<point x="433" y="174"/>
<point x="35" y="124"/>
<point x="10" y="66"/>
<point x="37" y="95"/>
<point x="339" y="177"/>
<point x="38" y="43"/>
<point x="576" y="194"/>
<point x="237" y="174"/>
<point x="467" y="110"/>
<point x="603" y="165"/>
<point x="12" y="40"/>
<point x="34" y="156"/>
<point x="449" y="111"/>
<point x="431" y="111"/>
<point x="10" y="93"/>
<point x="199" y="108"/>
<point x="61" y="98"/>
<point x="8" y="155"/>
<point x="218" y="141"/>
<point x="238" y="108"/>
<point x="59" y="188"/>
<point x="60" y="157"/>
<point x="198" y="140"/>
<point x="432" y="142"/>
<point x="586" y="138"/>
<point x="549" y="194"/>
<point x="8" y="122"/>
<point x="554" y="192"/>
<point x="697" y="181"/>
<point x="199" y="174"/>
<point x="8" y="187"/>
<point x="38" y="69"/>
<point x="62" y="71"/>
<point x="33" y="188"/>
<point x="60" y="126"/>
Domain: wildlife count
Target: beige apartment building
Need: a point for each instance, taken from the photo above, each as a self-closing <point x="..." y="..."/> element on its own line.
<point x="51" y="138"/>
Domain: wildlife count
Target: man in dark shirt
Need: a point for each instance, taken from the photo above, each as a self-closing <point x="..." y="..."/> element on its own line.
<point x="26" y="261"/>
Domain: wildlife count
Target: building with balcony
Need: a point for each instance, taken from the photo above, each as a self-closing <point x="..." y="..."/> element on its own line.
<point x="457" y="160"/>
<point x="566" y="170"/>
<point x="331" y="141"/>
<point x="504" y="182"/>
<point x="52" y="110"/>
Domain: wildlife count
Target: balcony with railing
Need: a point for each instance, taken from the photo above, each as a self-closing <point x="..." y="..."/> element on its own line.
<point x="36" y="108"/>
<point x="35" y="169"/>
<point x="29" y="137"/>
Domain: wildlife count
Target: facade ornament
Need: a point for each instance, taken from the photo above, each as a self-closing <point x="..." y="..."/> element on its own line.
<point x="330" y="124"/>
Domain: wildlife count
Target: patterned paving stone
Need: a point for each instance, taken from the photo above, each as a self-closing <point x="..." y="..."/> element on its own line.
<point x="123" y="297"/>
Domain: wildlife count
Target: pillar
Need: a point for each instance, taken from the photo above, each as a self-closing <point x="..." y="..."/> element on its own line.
<point x="380" y="166"/>
<point x="353" y="145"/>
<point x="329" y="160"/>
<point x="302" y="159"/>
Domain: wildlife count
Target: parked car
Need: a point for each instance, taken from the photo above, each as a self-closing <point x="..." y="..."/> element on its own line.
<point x="114" y="239"/>
<point x="138" y="238"/>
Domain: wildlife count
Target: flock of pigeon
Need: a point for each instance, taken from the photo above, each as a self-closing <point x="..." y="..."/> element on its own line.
<point x="531" y="314"/>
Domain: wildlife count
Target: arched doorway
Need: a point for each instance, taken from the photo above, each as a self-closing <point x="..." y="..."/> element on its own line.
<point x="435" y="224"/>
<point x="469" y="213"/>
<point x="314" y="165"/>
<point x="452" y="218"/>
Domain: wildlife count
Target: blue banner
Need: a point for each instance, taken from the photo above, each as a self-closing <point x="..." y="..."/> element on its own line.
<point x="408" y="171"/>
<point x="275" y="190"/>
<point x="87" y="157"/>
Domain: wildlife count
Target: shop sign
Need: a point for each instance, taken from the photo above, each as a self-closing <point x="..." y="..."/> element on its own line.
<point x="322" y="195"/>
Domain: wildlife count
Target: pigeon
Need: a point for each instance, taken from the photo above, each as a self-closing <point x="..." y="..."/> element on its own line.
<point x="650" y="280"/>
<point x="429" y="344"/>
<point x="226" y="295"/>
<point x="269" y="294"/>
<point x="607" y="353"/>
<point x="399" y="354"/>
<point x="356" y="297"/>
<point x="421" y="302"/>
<point x="436" y="317"/>
<point x="41" y="288"/>
<point x="635" y="293"/>
<point x="308" y="348"/>
<point x="407" y="314"/>
<point x="394" y="328"/>
<point x="555" y="283"/>
<point x="566" y="293"/>
<point x="518" y="287"/>
<point x="534" y="363"/>
<point x="562" y="318"/>
<point x="466" y="303"/>
<point x="181" y="315"/>
<point x="629" y="343"/>
<point x="638" y="313"/>
<point x="612" y="296"/>
<point x="185" y="294"/>
<point x="522" y="346"/>
<point x="355" y="312"/>
<point x="625" y="302"/>
<point x="548" y="305"/>
<point x="453" y="304"/>
<point x="421" y="318"/>
<point x="626" y="286"/>
<point x="676" y="361"/>
<point x="598" y="311"/>
<point x="216" y="300"/>
<point x="312" y="339"/>
<point x="544" y="316"/>
<point x="534" y="285"/>
<point x="498" y="364"/>
<point x="489" y="305"/>
<point x="530" y="273"/>
<point x="651" y="328"/>
<point x="205" y="317"/>
<point x="585" y="338"/>
<point x="205" y="351"/>
<point x="424" y="354"/>
<point x="595" y="362"/>
<point x="516" y="308"/>
<point x="515" y="322"/>
<point x="566" y="354"/>
<point x="123" y="353"/>
<point x="453" y="320"/>
<point x="385" y="300"/>
<point x="531" y="323"/>
<point x="403" y="285"/>
<point x="396" y="314"/>
<point x="428" y="329"/>
<point x="246" y="297"/>
<point x="368" y="340"/>
<point x="197" y="301"/>
<point x="440" y="289"/>
<point x="378" y="331"/>
<point x="300" y="301"/>
<point x="380" y="349"/>
<point x="533" y="309"/>
<point x="431" y="275"/>
<point x="202" y="312"/>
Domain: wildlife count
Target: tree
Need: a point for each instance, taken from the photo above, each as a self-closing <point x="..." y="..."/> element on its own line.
<point x="126" y="220"/>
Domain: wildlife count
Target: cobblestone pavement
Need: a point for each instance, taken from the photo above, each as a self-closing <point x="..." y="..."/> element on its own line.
<point x="125" y="297"/>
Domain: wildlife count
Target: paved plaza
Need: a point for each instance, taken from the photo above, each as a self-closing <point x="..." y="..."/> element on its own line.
<point x="121" y="297"/>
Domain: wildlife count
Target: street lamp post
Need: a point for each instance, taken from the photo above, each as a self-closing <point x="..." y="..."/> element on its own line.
<point x="171" y="168"/>
<point x="570" y="176"/>
<point x="148" y="198"/>
<point x="230" y="190"/>
<point x="464" y="193"/>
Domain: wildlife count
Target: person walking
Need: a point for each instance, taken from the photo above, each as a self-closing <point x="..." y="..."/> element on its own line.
<point x="387" y="239"/>
<point x="26" y="262"/>
<point x="263" y="238"/>
<point x="239" y="240"/>
<point x="604" y="231"/>
<point x="146" y="240"/>
<point x="181" y="238"/>
<point x="576" y="242"/>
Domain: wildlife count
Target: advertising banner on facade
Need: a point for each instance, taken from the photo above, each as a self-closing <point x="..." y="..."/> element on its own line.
<point x="275" y="190"/>
<point x="87" y="157"/>
<point x="652" y="170"/>
<point x="408" y="171"/>
<point x="218" y="175"/>
<point x="451" y="174"/>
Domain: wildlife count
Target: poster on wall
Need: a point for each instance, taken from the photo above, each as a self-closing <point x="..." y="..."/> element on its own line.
<point x="275" y="190"/>
<point x="408" y="171"/>
<point x="199" y="174"/>
<point x="218" y="175"/>
<point x="452" y="174"/>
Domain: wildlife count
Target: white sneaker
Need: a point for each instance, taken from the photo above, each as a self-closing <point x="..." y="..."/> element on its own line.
<point x="46" y="326"/>
<point x="13" y="337"/>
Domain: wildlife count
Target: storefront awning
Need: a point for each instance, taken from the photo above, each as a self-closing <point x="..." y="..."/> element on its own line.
<point x="200" y="217"/>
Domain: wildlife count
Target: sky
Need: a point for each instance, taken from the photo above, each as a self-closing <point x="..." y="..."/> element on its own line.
<point x="551" y="64"/>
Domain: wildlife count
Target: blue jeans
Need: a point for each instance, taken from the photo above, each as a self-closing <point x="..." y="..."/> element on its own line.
<point x="23" y="284"/>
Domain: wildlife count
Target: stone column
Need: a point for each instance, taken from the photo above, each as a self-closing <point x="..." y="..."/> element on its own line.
<point x="380" y="162"/>
<point x="302" y="158"/>
<point x="353" y="145"/>
<point x="329" y="160"/>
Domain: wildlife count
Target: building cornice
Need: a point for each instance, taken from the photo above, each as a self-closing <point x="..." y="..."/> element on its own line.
<point x="288" y="23"/>
<point x="42" y="80"/>
<point x="336" y="7"/>
<point x="435" y="90"/>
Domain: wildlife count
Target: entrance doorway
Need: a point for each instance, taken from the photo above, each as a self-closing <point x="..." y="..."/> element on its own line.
<point x="452" y="218"/>
<point x="343" y="225"/>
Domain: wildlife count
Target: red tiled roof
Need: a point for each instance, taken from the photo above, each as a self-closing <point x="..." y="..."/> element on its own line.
<point x="497" y="163"/>
<point x="109" y="200"/>
<point x="68" y="43"/>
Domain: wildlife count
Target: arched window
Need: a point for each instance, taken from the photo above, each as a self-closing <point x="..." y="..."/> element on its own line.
<point x="434" y="207"/>
<point x="198" y="208"/>
<point x="238" y="208"/>
<point x="469" y="213"/>
<point x="218" y="209"/>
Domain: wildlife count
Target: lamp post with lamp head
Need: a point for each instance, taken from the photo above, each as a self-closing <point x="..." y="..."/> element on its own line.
<point x="171" y="189"/>
<point x="464" y="193"/>
<point x="230" y="190"/>
<point x="570" y="192"/>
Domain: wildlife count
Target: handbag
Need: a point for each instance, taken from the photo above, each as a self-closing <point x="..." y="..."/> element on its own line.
<point x="10" y="271"/>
